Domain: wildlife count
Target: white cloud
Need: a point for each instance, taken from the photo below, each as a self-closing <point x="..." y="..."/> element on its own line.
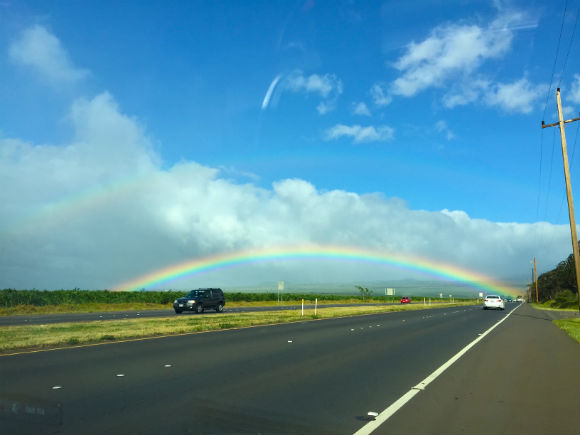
<point x="518" y="96"/>
<point x="323" y="85"/>
<point x="103" y="209"/>
<point x="451" y="56"/>
<point x="361" y="134"/>
<point x="360" y="109"/>
<point x="380" y="95"/>
<point x="39" y="49"/>
<point x="451" y="50"/>
<point x="441" y="127"/>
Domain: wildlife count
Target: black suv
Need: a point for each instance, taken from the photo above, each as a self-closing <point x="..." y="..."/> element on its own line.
<point x="200" y="299"/>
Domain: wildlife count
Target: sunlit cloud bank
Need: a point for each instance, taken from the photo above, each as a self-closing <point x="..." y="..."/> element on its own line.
<point x="103" y="209"/>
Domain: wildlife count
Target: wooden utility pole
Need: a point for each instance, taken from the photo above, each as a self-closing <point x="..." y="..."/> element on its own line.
<point x="561" y="124"/>
<point x="536" y="279"/>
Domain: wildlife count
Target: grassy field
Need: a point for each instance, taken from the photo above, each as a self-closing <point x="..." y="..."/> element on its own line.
<point x="548" y="305"/>
<point x="92" y="307"/>
<point x="571" y="326"/>
<point x="14" y="338"/>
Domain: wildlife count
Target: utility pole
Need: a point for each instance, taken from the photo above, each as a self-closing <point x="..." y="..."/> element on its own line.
<point x="561" y="124"/>
<point x="536" y="279"/>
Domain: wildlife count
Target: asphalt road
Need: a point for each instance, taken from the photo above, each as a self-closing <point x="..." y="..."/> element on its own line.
<point x="40" y="319"/>
<point x="310" y="377"/>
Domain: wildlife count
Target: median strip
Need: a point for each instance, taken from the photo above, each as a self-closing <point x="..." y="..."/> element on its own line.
<point x="33" y="338"/>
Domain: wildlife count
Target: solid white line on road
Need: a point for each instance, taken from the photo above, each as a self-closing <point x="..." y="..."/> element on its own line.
<point x="399" y="403"/>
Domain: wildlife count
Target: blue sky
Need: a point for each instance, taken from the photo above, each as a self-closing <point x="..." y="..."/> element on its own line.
<point x="421" y="111"/>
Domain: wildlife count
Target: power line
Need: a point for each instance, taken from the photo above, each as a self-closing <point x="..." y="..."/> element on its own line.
<point x="555" y="59"/>
<point x="569" y="47"/>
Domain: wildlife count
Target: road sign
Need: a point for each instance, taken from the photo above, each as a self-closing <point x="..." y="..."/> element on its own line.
<point x="390" y="291"/>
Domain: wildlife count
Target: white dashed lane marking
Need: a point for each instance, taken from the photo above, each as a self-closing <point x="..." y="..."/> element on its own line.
<point x="120" y="375"/>
<point x="57" y="387"/>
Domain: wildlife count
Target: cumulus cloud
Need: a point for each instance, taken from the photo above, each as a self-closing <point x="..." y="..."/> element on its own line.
<point x="449" y="51"/>
<point x="327" y="86"/>
<point x="451" y="57"/>
<point x="103" y="209"/>
<point x="361" y="134"/>
<point x="518" y="96"/>
<point x="322" y="85"/>
<point x="40" y="50"/>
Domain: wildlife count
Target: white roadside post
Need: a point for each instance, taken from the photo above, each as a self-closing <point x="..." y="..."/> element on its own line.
<point x="315" y="305"/>
<point x="280" y="288"/>
<point x="302" y="307"/>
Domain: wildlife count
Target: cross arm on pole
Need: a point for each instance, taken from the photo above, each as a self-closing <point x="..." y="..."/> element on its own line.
<point x="558" y="123"/>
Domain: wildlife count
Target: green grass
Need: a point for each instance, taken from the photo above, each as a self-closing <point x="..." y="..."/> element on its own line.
<point x="548" y="306"/>
<point x="14" y="338"/>
<point x="571" y="326"/>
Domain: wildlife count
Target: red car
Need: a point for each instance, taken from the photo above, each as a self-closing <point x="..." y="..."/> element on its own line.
<point x="405" y="300"/>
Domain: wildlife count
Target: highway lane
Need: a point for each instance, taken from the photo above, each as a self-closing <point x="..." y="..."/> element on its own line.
<point x="40" y="319"/>
<point x="525" y="378"/>
<point x="309" y="377"/>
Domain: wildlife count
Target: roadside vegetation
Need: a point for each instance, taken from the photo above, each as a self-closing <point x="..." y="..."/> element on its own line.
<point x="19" y="302"/>
<point x="571" y="326"/>
<point x="557" y="288"/>
<point x="31" y="337"/>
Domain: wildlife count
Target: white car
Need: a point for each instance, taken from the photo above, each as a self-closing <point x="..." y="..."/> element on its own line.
<point x="493" y="301"/>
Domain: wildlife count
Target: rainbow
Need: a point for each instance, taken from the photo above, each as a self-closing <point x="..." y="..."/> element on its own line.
<point x="58" y="210"/>
<point x="318" y="252"/>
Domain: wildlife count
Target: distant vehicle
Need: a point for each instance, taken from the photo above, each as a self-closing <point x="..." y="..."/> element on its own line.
<point x="509" y="299"/>
<point x="405" y="300"/>
<point x="519" y="299"/>
<point x="200" y="299"/>
<point x="493" y="301"/>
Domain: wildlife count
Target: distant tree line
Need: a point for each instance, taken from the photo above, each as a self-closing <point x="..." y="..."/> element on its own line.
<point x="558" y="284"/>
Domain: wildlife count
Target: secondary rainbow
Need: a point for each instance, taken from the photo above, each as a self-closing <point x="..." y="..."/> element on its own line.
<point x="318" y="252"/>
